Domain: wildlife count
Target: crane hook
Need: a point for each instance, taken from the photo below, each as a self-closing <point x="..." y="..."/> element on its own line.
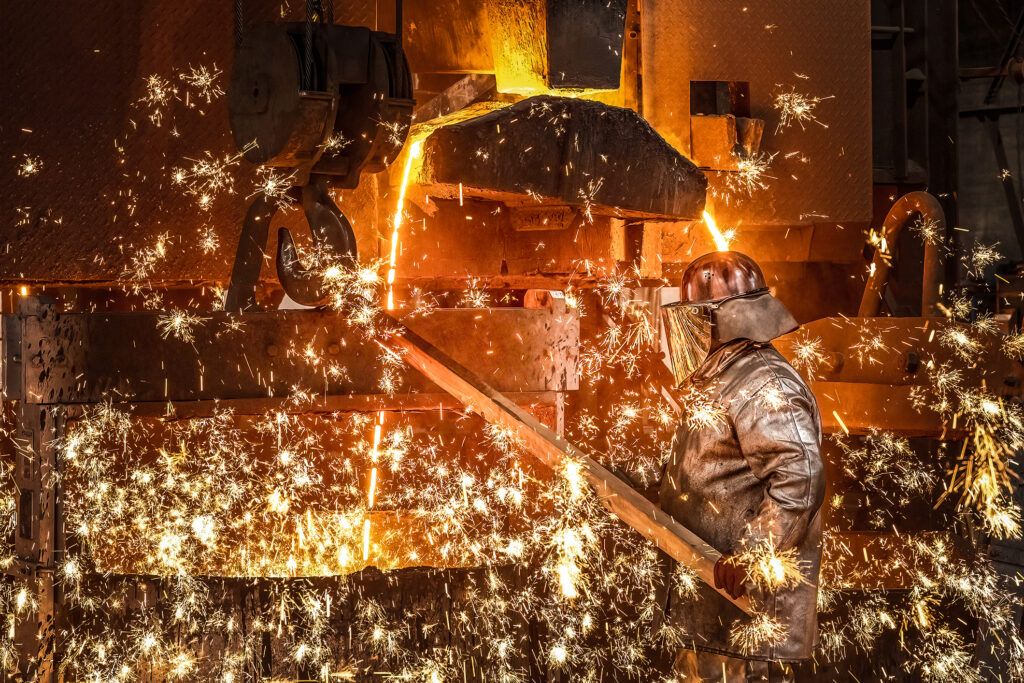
<point x="332" y="233"/>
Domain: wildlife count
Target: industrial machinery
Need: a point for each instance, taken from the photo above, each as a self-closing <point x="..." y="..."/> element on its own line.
<point x="324" y="103"/>
<point x="565" y="152"/>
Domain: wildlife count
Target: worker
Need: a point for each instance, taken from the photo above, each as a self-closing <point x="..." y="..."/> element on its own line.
<point x="745" y="474"/>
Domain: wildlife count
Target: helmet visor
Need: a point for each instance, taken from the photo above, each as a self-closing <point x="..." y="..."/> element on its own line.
<point x="688" y="328"/>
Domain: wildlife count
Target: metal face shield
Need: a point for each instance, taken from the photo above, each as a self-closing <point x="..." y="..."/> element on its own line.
<point x="688" y="328"/>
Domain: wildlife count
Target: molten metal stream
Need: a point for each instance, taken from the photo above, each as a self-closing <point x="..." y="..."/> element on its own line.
<point x="414" y="152"/>
<point x="721" y="241"/>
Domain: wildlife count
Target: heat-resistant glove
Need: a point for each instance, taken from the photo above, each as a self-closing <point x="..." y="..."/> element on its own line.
<point x="730" y="576"/>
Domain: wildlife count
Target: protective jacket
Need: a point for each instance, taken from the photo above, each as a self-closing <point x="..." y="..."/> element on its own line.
<point x="749" y="472"/>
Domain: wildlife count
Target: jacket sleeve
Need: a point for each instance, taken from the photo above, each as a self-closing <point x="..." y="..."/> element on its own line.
<point x="779" y="433"/>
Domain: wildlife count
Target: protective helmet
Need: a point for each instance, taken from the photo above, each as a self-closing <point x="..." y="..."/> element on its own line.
<point x="723" y="296"/>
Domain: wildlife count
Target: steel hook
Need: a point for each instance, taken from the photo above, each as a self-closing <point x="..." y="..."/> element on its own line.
<point x="331" y="233"/>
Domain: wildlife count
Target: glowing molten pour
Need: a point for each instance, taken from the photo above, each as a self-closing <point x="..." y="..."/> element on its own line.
<point x="721" y="240"/>
<point x="414" y="152"/>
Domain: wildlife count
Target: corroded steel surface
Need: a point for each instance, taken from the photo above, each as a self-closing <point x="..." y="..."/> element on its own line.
<point x="88" y="358"/>
<point x="818" y="49"/>
<point x="604" y="159"/>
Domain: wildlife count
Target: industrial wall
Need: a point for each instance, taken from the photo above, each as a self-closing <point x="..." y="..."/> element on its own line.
<point x="94" y="152"/>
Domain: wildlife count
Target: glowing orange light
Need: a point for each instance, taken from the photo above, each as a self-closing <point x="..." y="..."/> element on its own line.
<point x="721" y="240"/>
<point x="414" y="152"/>
<point x="373" y="487"/>
<point x="366" y="539"/>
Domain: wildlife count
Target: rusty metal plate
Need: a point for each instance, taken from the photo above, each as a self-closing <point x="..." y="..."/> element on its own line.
<point x="562" y="150"/>
<point x="896" y="351"/>
<point x="816" y="48"/>
<point x="859" y="408"/>
<point x="874" y="374"/>
<point x="125" y="357"/>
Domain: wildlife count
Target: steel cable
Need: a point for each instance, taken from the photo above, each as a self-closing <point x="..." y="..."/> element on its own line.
<point x="239" y="21"/>
<point x="308" y="73"/>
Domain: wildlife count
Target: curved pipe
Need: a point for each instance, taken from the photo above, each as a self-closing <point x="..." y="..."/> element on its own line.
<point x="906" y="207"/>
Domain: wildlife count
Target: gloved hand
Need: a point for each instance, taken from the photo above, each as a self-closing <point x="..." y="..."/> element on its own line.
<point x="731" y="576"/>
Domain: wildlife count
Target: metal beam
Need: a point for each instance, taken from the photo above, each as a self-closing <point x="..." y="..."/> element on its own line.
<point x="991" y="112"/>
<point x="129" y="357"/>
<point x="353" y="403"/>
<point x="38" y="533"/>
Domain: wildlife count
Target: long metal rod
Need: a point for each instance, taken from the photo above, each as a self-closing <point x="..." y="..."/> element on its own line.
<point x="991" y="112"/>
<point x="968" y="73"/>
<point x="619" y="498"/>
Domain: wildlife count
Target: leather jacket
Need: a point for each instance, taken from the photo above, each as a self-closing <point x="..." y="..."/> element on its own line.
<point x="755" y="473"/>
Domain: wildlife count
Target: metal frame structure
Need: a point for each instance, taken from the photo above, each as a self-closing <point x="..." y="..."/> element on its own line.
<point x="56" y="365"/>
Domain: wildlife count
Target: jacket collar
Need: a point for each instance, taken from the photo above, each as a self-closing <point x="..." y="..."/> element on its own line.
<point x="722" y="357"/>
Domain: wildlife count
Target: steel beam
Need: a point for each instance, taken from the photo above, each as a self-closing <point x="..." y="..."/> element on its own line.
<point x="128" y="357"/>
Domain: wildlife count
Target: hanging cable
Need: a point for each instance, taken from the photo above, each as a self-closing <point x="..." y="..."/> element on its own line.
<point x="239" y="22"/>
<point x="308" y="73"/>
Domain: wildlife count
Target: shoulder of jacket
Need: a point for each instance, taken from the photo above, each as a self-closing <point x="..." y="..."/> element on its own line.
<point x="761" y="367"/>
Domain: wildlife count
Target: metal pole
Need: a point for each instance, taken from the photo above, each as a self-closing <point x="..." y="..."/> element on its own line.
<point x="1012" y="198"/>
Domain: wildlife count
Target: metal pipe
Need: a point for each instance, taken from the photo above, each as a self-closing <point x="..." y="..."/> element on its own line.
<point x="907" y="207"/>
